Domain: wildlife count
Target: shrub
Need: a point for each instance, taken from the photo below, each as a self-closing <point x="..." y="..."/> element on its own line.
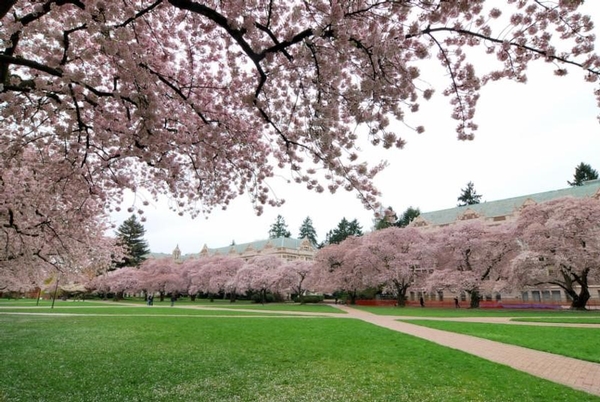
<point x="309" y="299"/>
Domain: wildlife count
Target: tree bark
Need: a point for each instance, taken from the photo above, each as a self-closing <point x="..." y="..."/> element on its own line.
<point x="580" y="300"/>
<point x="401" y="298"/>
<point x="475" y="298"/>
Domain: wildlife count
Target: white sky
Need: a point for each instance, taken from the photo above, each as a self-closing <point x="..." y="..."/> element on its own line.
<point x="530" y="139"/>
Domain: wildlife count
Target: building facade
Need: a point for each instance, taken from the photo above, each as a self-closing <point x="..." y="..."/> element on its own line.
<point x="286" y="248"/>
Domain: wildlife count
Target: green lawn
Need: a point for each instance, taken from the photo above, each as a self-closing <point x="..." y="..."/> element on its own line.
<point x="220" y="304"/>
<point x="562" y="320"/>
<point x="131" y="311"/>
<point x="580" y="343"/>
<point x="466" y="312"/>
<point x="133" y="358"/>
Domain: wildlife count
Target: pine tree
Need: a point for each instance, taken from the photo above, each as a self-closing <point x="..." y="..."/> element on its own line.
<point x="131" y="236"/>
<point x="344" y="230"/>
<point x="407" y="217"/>
<point x="279" y="229"/>
<point x="583" y="172"/>
<point x="468" y="196"/>
<point x="308" y="231"/>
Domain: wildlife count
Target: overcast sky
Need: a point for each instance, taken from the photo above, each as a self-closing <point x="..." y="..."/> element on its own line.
<point x="530" y="138"/>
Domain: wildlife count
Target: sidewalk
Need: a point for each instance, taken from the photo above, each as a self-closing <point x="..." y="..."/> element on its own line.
<point x="574" y="373"/>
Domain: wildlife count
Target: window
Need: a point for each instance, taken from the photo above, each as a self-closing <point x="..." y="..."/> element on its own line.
<point x="440" y="295"/>
<point x="525" y="296"/>
<point x="546" y="296"/>
<point x="463" y="296"/>
<point x="535" y="295"/>
<point x="556" y="296"/>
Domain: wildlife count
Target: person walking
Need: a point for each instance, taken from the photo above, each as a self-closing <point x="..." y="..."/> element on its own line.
<point x="456" y="305"/>
<point x="421" y="301"/>
<point x="173" y="299"/>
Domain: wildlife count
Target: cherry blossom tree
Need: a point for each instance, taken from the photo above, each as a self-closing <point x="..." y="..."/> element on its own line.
<point x="44" y="229"/>
<point x="194" y="97"/>
<point x="471" y="256"/>
<point x="126" y="279"/>
<point x="560" y="246"/>
<point x="342" y="267"/>
<point x="214" y="274"/>
<point x="398" y="256"/>
<point x="261" y="274"/>
<point x="294" y="276"/>
<point x="194" y="276"/>
<point x="222" y="276"/>
<point x="161" y="275"/>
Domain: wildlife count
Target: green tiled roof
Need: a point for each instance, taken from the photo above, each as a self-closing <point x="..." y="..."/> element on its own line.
<point x="279" y="242"/>
<point x="508" y="206"/>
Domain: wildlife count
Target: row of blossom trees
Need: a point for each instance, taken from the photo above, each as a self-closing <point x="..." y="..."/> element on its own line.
<point x="212" y="275"/>
<point x="556" y="243"/>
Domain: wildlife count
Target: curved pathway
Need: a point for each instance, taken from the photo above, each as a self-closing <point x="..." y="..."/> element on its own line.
<point x="574" y="373"/>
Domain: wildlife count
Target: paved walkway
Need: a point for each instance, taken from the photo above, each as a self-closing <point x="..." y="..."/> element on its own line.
<point x="574" y="373"/>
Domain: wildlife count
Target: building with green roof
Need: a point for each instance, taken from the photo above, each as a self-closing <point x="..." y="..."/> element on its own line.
<point x="287" y="248"/>
<point x="495" y="212"/>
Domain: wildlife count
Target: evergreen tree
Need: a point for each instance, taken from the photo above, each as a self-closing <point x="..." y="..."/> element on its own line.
<point x="279" y="228"/>
<point x="308" y="231"/>
<point x="344" y="229"/>
<point x="468" y="196"/>
<point x="131" y="236"/>
<point x="583" y="172"/>
<point x="407" y="217"/>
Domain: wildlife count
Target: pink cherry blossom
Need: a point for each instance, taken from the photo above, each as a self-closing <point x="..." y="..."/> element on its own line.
<point x="204" y="101"/>
<point x="560" y="246"/>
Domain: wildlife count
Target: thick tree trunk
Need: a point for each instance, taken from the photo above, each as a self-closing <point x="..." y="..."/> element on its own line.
<point x="475" y="298"/>
<point x="580" y="300"/>
<point x="353" y="297"/>
<point x="401" y="290"/>
<point x="263" y="296"/>
<point x="193" y="297"/>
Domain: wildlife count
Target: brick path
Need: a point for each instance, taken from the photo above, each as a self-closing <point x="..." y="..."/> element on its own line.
<point x="574" y="373"/>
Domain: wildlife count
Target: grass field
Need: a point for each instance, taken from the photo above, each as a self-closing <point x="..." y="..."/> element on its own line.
<point x="562" y="320"/>
<point x="221" y="304"/>
<point x="203" y="358"/>
<point x="580" y="343"/>
<point x="466" y="312"/>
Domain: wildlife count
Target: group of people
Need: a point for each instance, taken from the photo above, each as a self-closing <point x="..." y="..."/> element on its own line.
<point x="150" y="299"/>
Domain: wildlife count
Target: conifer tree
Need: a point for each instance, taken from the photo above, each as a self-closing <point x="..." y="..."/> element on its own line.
<point x="468" y="196"/>
<point x="308" y="231"/>
<point x="583" y="172"/>
<point x="131" y="236"/>
<point x="279" y="228"/>
<point x="407" y="217"/>
<point x="344" y="230"/>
